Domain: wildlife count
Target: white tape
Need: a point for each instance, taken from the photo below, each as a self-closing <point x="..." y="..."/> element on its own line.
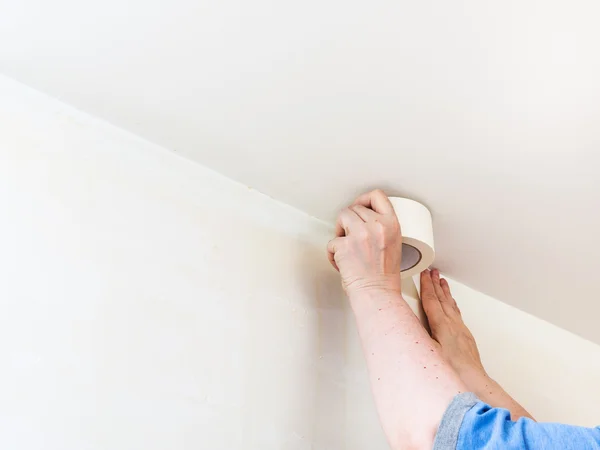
<point x="418" y="251"/>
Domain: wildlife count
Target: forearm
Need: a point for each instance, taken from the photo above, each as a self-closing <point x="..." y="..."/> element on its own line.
<point x="412" y="383"/>
<point x="490" y="392"/>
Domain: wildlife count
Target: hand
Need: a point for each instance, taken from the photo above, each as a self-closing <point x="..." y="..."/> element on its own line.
<point x="447" y="327"/>
<point x="458" y="346"/>
<point x="368" y="248"/>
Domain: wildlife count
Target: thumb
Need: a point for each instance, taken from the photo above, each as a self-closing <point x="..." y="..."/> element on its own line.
<point x="333" y="246"/>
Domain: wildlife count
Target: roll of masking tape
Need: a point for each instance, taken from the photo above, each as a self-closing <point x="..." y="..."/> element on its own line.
<point x="418" y="251"/>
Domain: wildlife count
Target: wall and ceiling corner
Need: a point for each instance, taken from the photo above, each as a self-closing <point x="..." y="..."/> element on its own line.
<point x="149" y="302"/>
<point x="486" y="112"/>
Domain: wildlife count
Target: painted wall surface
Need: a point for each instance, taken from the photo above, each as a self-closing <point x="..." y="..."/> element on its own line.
<point x="494" y="107"/>
<point x="149" y="303"/>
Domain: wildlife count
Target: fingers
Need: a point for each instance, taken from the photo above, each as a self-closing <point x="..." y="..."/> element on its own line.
<point x="347" y="220"/>
<point x="375" y="200"/>
<point x="435" y="278"/>
<point x="331" y="257"/>
<point x="431" y="304"/>
<point x="436" y="296"/>
<point x="333" y="246"/>
<point x="446" y="289"/>
<point x="364" y="213"/>
<point x="448" y="303"/>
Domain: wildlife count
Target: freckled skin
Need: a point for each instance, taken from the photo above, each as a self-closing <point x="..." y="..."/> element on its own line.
<point x="367" y="252"/>
<point x="458" y="346"/>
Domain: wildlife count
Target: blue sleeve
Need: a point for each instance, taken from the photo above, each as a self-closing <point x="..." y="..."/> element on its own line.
<point x="484" y="427"/>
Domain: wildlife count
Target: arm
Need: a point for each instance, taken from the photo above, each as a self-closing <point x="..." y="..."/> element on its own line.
<point x="491" y="425"/>
<point x="458" y="346"/>
<point x="412" y="383"/>
<point x="490" y="392"/>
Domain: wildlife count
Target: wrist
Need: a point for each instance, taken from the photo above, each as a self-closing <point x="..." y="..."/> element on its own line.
<point x="366" y="294"/>
<point x="382" y="285"/>
<point x="474" y="377"/>
<point x="367" y="302"/>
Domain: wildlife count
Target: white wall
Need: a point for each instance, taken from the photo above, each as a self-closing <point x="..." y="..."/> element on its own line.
<point x="493" y="105"/>
<point x="553" y="372"/>
<point x="149" y="303"/>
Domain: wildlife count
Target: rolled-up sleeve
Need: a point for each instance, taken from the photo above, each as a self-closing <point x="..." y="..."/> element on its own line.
<point x="447" y="434"/>
<point x="471" y="424"/>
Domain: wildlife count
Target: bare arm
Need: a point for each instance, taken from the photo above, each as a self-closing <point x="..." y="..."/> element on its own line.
<point x="490" y="392"/>
<point x="412" y="383"/>
<point x="458" y="346"/>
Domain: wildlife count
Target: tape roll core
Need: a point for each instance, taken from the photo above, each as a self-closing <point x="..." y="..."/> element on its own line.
<point x="411" y="256"/>
<point x="417" y="236"/>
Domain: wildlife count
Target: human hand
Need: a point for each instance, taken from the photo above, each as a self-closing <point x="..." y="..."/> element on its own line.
<point x="448" y="329"/>
<point x="368" y="248"/>
<point x="458" y="346"/>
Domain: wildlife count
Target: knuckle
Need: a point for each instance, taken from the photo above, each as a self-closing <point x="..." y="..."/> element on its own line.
<point x="380" y="228"/>
<point x="428" y="296"/>
<point x="382" y="237"/>
<point x="338" y="258"/>
<point x="340" y="245"/>
<point x="362" y="234"/>
<point x="394" y="225"/>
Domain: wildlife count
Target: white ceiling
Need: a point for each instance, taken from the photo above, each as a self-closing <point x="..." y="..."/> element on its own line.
<point x="488" y="112"/>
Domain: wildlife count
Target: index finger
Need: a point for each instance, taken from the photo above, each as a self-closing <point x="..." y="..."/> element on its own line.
<point x="376" y="200"/>
<point x="347" y="220"/>
<point x="429" y="299"/>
